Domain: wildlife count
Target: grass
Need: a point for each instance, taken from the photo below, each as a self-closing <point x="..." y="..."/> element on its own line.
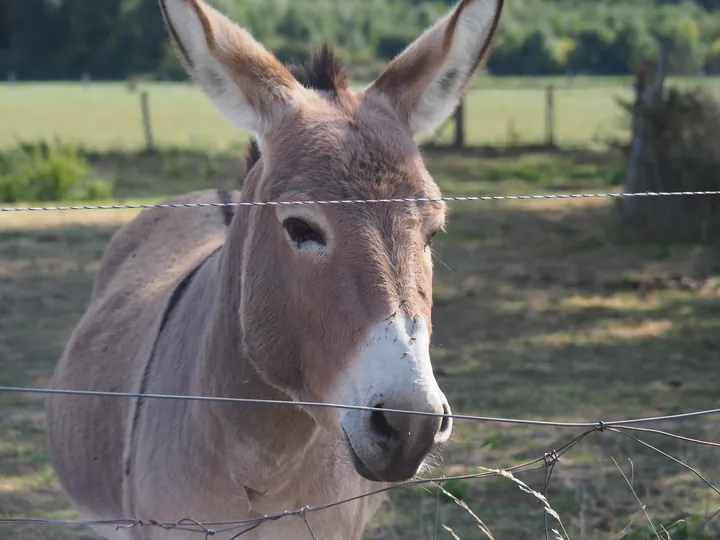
<point x="106" y="116"/>
<point x="543" y="309"/>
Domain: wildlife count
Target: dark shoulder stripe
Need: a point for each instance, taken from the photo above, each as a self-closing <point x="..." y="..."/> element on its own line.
<point x="172" y="304"/>
<point x="224" y="196"/>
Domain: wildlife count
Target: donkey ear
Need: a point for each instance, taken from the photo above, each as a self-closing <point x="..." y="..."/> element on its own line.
<point x="245" y="82"/>
<point x="426" y="81"/>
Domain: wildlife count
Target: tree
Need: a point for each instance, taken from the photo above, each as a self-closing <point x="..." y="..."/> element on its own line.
<point x="114" y="39"/>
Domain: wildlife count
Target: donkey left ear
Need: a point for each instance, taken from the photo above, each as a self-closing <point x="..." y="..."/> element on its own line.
<point x="245" y="82"/>
<point x="425" y="82"/>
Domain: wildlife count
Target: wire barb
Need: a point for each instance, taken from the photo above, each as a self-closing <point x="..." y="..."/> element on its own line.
<point x="551" y="458"/>
<point x="303" y="515"/>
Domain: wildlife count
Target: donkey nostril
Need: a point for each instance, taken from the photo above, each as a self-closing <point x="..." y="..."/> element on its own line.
<point x="379" y="423"/>
<point x="446" y="419"/>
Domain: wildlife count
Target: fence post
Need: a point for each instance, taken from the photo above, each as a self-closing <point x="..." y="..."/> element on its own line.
<point x="550" y="116"/>
<point x="147" y="125"/>
<point x="459" y="140"/>
<point x="642" y="171"/>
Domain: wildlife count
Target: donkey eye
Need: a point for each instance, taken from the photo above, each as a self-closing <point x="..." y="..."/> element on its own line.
<point x="301" y="232"/>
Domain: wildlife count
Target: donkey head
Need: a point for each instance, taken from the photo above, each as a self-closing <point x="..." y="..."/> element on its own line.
<point x="336" y="299"/>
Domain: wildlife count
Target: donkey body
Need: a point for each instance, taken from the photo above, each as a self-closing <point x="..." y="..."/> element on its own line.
<point x="327" y="303"/>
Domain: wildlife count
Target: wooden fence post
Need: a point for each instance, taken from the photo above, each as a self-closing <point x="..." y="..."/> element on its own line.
<point x="147" y="124"/>
<point x="550" y="116"/>
<point x="642" y="172"/>
<point x="459" y="140"/>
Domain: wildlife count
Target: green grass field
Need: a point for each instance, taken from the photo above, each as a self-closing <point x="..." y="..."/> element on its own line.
<point x="499" y="112"/>
<point x="546" y="309"/>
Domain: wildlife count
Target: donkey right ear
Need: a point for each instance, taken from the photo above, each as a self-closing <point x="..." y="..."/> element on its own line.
<point x="245" y="82"/>
<point x="425" y="82"/>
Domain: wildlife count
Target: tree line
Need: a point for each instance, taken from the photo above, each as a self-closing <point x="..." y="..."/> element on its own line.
<point x="118" y="39"/>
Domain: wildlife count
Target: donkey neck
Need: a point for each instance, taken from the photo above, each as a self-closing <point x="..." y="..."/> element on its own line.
<point x="278" y="432"/>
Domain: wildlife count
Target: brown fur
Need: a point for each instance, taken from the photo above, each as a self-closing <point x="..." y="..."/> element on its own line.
<point x="427" y="56"/>
<point x="324" y="72"/>
<point x="187" y="301"/>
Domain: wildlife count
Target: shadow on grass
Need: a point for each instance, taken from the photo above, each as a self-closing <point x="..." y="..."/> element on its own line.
<point x="549" y="312"/>
<point x="45" y="281"/>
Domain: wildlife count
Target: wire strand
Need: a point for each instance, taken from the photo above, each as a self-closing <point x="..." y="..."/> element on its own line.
<point x="473" y="198"/>
<point x="599" y="424"/>
<point x="668" y="456"/>
<point x="208" y="529"/>
<point x="252" y="523"/>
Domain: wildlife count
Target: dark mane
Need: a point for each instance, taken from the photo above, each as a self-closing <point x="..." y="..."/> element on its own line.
<point x="323" y="72"/>
<point x="252" y="156"/>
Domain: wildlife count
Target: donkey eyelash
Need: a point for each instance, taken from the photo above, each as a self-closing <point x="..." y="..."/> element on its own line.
<point x="301" y="232"/>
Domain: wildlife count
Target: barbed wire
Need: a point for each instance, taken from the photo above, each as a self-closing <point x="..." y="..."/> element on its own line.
<point x="466" y="198"/>
<point x="547" y="461"/>
<point x="218" y="527"/>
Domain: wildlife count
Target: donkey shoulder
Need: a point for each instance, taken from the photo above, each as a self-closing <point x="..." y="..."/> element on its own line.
<point x="162" y="243"/>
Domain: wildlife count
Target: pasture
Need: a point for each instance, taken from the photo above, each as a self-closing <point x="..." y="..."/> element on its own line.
<point x="505" y="112"/>
<point x="107" y="116"/>
<point x="544" y="309"/>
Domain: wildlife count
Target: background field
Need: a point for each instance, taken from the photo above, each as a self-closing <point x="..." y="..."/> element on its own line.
<point x="499" y="111"/>
<point x="544" y="309"/>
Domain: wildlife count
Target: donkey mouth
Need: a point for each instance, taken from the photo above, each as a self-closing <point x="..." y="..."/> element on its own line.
<point x="360" y="467"/>
<point x="397" y="470"/>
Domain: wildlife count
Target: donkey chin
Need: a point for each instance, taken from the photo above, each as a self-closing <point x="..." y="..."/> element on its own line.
<point x="393" y="372"/>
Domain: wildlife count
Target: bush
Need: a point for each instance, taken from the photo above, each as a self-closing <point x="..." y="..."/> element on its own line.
<point x="682" y="154"/>
<point x="52" y="171"/>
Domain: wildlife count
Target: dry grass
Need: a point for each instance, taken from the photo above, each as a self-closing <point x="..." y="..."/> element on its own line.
<point x="543" y="309"/>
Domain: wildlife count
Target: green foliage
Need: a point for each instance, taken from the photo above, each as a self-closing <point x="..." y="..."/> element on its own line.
<point x="116" y="39"/>
<point x="683" y="527"/>
<point x="557" y="174"/>
<point x="681" y="155"/>
<point x="48" y="172"/>
<point x="459" y="489"/>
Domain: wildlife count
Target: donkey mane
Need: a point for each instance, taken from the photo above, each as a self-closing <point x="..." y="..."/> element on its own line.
<point x="324" y="72"/>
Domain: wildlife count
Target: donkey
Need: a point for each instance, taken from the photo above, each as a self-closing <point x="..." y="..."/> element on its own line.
<point x="303" y="303"/>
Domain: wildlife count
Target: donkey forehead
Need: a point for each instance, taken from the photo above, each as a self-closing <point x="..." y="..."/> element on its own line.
<point x="348" y="147"/>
